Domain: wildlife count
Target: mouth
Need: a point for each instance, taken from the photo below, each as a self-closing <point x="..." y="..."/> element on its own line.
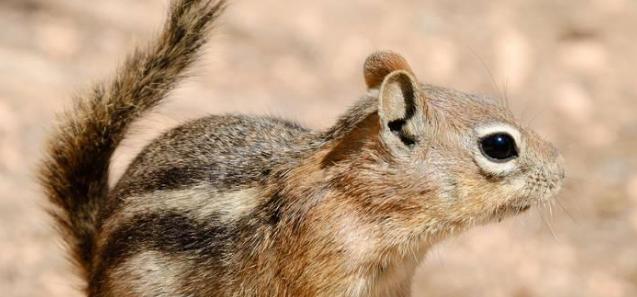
<point x="510" y="210"/>
<point x="522" y="208"/>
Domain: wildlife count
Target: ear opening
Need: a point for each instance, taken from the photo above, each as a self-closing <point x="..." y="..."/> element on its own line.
<point x="393" y="112"/>
<point x="398" y="105"/>
<point x="396" y="127"/>
<point x="397" y="98"/>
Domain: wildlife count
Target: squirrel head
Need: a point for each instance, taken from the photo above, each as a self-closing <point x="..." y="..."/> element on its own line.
<point x="438" y="157"/>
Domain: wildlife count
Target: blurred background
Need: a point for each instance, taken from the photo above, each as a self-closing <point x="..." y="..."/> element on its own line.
<point x="567" y="68"/>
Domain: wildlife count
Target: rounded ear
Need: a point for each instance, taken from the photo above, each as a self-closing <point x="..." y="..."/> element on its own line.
<point x="400" y="108"/>
<point x="380" y="64"/>
<point x="398" y="97"/>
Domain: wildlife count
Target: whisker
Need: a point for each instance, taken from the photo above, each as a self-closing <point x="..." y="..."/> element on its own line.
<point x="501" y="96"/>
<point x="505" y="94"/>
<point x="557" y="201"/>
<point x="548" y="225"/>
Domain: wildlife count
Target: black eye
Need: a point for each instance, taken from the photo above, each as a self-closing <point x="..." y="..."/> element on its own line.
<point x="499" y="147"/>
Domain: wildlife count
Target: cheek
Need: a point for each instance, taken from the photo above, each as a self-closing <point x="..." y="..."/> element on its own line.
<point x="515" y="186"/>
<point x="477" y="194"/>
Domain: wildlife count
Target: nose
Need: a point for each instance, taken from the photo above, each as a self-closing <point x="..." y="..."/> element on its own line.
<point x="555" y="164"/>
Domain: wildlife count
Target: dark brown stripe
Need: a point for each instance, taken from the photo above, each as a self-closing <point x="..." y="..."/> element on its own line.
<point x="171" y="233"/>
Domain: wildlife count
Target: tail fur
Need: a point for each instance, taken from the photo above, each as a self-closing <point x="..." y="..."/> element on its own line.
<point x="74" y="173"/>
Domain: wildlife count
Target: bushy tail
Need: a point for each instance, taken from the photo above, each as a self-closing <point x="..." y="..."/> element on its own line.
<point x="74" y="172"/>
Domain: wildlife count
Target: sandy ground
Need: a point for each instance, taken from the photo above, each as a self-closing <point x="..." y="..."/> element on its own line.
<point x="567" y="68"/>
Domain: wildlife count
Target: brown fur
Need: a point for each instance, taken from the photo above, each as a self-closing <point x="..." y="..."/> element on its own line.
<point x="258" y="206"/>
<point x="379" y="64"/>
<point x="75" y="172"/>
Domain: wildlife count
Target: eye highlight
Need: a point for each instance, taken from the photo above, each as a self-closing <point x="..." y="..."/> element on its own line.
<point x="499" y="147"/>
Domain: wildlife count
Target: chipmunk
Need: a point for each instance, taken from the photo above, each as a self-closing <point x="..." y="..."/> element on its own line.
<point x="236" y="205"/>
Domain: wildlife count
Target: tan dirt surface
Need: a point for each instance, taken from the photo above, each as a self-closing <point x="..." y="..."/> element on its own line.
<point x="566" y="67"/>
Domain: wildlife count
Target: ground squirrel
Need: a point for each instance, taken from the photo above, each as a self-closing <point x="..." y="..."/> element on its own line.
<point x="237" y="205"/>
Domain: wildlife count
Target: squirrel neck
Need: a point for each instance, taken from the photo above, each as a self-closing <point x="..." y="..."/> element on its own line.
<point x="337" y="206"/>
